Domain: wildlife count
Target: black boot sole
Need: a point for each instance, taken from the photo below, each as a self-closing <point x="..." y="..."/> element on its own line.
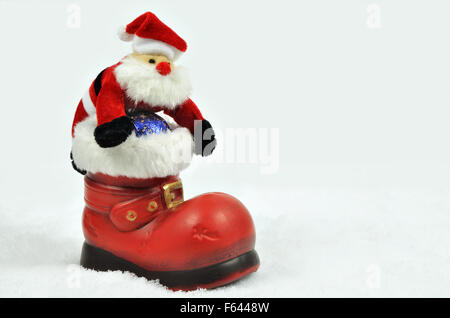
<point x="209" y="277"/>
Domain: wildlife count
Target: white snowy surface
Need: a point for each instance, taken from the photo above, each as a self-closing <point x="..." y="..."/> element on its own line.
<point x="312" y="242"/>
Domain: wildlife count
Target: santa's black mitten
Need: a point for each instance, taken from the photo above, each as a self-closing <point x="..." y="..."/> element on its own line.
<point x="83" y="172"/>
<point x="113" y="133"/>
<point x="204" y="138"/>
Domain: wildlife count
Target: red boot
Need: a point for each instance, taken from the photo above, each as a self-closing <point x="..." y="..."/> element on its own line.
<point x="144" y="226"/>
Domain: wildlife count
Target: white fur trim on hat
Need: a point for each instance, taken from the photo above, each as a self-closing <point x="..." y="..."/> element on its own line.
<point x="150" y="46"/>
<point x="150" y="156"/>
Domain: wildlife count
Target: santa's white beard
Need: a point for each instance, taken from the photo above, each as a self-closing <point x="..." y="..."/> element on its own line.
<point x="142" y="82"/>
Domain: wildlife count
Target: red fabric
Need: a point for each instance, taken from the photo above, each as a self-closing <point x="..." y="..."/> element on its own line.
<point x="186" y="114"/>
<point x="110" y="101"/>
<point x="136" y="23"/>
<point x="80" y="115"/>
<point x="148" y="26"/>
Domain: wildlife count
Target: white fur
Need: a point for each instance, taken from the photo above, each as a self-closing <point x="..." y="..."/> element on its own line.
<point x="142" y="82"/>
<point x="148" y="156"/>
<point x="87" y="103"/>
<point x="123" y="35"/>
<point x="151" y="46"/>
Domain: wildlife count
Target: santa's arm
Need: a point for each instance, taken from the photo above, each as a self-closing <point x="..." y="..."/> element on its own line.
<point x="114" y="126"/>
<point x="186" y="115"/>
<point x="189" y="116"/>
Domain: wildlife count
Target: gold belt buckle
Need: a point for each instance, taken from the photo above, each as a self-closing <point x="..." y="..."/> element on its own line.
<point x="168" y="188"/>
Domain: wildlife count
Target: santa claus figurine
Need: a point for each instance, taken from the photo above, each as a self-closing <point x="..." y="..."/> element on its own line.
<point x="134" y="131"/>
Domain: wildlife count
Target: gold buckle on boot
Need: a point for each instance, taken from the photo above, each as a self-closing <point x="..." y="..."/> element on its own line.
<point x="168" y="188"/>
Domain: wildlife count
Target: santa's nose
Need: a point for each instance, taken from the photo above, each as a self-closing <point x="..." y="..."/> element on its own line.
<point x="163" y="68"/>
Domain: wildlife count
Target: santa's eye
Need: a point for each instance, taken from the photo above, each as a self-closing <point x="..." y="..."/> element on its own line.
<point x="152" y="61"/>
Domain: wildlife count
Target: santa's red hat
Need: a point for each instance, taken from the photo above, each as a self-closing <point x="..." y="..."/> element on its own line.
<point x="151" y="36"/>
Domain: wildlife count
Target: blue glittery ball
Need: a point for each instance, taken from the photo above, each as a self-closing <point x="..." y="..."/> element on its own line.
<point x="148" y="123"/>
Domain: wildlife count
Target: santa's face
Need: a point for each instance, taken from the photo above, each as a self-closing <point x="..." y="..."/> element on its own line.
<point x="153" y="79"/>
<point x="162" y="63"/>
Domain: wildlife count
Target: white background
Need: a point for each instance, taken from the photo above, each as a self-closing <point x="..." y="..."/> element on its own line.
<point x="359" y="204"/>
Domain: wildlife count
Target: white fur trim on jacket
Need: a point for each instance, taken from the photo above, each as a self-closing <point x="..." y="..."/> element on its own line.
<point x="148" y="156"/>
<point x="87" y="103"/>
